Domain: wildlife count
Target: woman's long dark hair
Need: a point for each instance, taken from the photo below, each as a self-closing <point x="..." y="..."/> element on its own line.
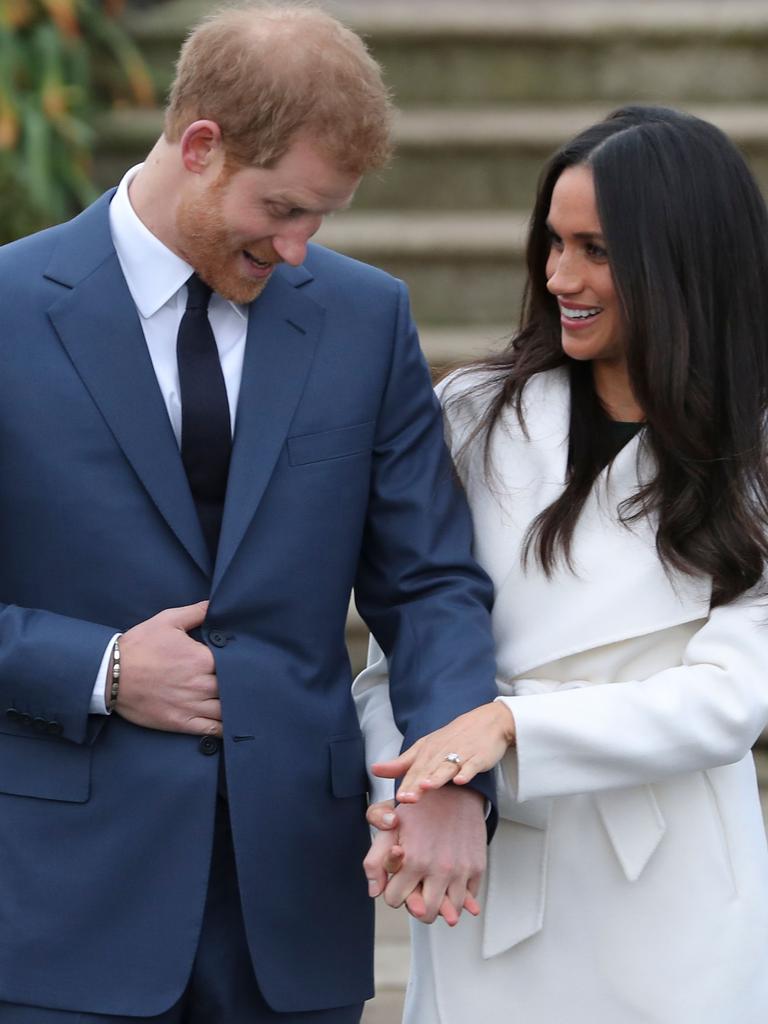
<point x="686" y="231"/>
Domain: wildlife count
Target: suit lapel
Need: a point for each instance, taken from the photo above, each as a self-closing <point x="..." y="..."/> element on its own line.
<point x="283" y="330"/>
<point x="98" y="325"/>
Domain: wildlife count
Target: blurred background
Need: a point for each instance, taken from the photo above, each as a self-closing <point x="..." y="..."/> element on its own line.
<point x="486" y="90"/>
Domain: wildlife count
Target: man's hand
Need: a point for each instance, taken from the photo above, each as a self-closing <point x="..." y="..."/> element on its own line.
<point x="385" y="855"/>
<point x="167" y="679"/>
<point x="443" y="840"/>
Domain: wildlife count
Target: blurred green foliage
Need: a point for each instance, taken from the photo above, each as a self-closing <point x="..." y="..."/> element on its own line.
<point x="50" y="51"/>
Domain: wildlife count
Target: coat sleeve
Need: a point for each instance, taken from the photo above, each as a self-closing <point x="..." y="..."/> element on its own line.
<point x="705" y="712"/>
<point x="48" y="664"/>
<point x="418" y="588"/>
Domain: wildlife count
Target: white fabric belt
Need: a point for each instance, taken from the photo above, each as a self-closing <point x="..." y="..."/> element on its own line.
<point x="518" y="855"/>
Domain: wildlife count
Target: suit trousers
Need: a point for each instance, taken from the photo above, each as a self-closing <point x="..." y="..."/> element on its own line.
<point x="222" y="988"/>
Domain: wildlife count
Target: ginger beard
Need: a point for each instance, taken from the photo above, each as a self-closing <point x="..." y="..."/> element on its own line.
<point x="207" y="244"/>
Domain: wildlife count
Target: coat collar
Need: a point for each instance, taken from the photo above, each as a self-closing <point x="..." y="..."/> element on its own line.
<point x="620" y="588"/>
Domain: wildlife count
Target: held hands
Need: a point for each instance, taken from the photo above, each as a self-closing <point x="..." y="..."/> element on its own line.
<point x="434" y="854"/>
<point x="480" y="738"/>
<point x="167" y="679"/>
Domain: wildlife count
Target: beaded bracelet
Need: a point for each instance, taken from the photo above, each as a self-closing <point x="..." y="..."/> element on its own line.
<point x="115" y="687"/>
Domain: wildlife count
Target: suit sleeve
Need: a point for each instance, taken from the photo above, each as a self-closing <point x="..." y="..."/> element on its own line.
<point x="706" y="712"/>
<point x="48" y="664"/>
<point x="418" y="588"/>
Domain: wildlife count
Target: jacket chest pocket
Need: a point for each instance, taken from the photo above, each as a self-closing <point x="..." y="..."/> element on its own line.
<point x="304" y="449"/>
<point x="47" y="769"/>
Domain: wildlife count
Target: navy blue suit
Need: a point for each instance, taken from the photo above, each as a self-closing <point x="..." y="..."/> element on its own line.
<point x="339" y="479"/>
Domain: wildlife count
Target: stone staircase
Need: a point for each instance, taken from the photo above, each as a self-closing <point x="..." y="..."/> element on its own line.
<point x="487" y="90"/>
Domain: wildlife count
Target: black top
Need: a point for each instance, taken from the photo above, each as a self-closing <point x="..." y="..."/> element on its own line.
<point x="614" y="435"/>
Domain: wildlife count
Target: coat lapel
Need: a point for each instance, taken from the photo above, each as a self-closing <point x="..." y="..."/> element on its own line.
<point x="284" y="327"/>
<point x="536" y="618"/>
<point x="98" y="325"/>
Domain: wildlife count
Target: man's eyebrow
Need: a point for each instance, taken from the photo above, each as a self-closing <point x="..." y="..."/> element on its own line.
<point x="285" y="199"/>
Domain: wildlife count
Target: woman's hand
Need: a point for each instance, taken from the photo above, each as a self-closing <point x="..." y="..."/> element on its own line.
<point x="480" y="738"/>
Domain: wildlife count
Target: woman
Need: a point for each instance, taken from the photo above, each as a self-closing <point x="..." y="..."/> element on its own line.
<point x="614" y="456"/>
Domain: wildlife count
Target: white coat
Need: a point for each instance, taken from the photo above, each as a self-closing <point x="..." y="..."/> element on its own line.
<point x="628" y="877"/>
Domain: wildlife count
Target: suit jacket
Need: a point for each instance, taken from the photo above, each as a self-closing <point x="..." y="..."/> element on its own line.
<point x="628" y="877"/>
<point x="338" y="478"/>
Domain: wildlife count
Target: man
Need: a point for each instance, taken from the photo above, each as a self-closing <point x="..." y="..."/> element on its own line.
<point x="192" y="484"/>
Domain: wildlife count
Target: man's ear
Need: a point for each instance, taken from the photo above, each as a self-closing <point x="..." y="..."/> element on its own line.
<point x="201" y="146"/>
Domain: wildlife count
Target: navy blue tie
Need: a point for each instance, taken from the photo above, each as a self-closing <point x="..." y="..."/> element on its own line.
<point x="206" y="438"/>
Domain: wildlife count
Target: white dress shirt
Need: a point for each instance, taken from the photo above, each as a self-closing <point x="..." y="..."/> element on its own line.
<point x="156" y="279"/>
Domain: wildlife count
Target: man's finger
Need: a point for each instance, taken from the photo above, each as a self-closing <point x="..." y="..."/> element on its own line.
<point x="201" y="727"/>
<point x="375" y="862"/>
<point x="382" y="815"/>
<point x="394" y="861"/>
<point x="188" y="617"/>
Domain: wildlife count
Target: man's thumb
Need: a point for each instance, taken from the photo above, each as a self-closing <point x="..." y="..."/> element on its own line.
<point x="190" y="616"/>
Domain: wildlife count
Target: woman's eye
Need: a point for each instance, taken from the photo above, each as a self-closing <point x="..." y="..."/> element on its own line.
<point x="597" y="252"/>
<point x="555" y="241"/>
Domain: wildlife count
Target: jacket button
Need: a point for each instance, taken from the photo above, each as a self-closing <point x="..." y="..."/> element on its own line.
<point x="13" y="714"/>
<point x="217" y="638"/>
<point x="39" y="724"/>
<point x="25" y="719"/>
<point x="209" y="745"/>
<point x="54" y="728"/>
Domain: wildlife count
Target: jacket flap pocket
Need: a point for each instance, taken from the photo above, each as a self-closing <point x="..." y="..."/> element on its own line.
<point x="48" y="769"/>
<point x="348" y="775"/>
<point x="330" y="444"/>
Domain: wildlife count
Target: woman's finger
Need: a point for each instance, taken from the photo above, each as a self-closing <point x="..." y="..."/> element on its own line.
<point x="394" y="769"/>
<point x="415" y="904"/>
<point x="422" y="777"/>
<point x="470" y="902"/>
<point x="449" y="913"/>
<point x="472" y="743"/>
<point x="471" y="905"/>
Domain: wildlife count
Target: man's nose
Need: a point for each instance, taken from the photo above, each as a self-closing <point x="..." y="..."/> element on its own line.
<point x="291" y="244"/>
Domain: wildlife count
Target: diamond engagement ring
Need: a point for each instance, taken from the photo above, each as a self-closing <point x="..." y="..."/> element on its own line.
<point x="453" y="758"/>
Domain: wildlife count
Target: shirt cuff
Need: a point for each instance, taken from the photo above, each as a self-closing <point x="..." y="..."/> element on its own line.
<point x="99" y="696"/>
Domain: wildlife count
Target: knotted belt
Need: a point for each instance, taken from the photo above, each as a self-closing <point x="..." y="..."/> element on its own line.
<point x="518" y="855"/>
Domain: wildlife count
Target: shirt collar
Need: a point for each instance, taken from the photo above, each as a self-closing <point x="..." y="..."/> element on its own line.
<point x="153" y="273"/>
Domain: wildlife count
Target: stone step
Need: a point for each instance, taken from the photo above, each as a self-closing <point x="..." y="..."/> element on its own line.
<point x="462" y="269"/>
<point x="451" y="159"/>
<point x="473" y="54"/>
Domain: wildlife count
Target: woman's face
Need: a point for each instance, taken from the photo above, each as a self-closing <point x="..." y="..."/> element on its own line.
<point x="579" y="272"/>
